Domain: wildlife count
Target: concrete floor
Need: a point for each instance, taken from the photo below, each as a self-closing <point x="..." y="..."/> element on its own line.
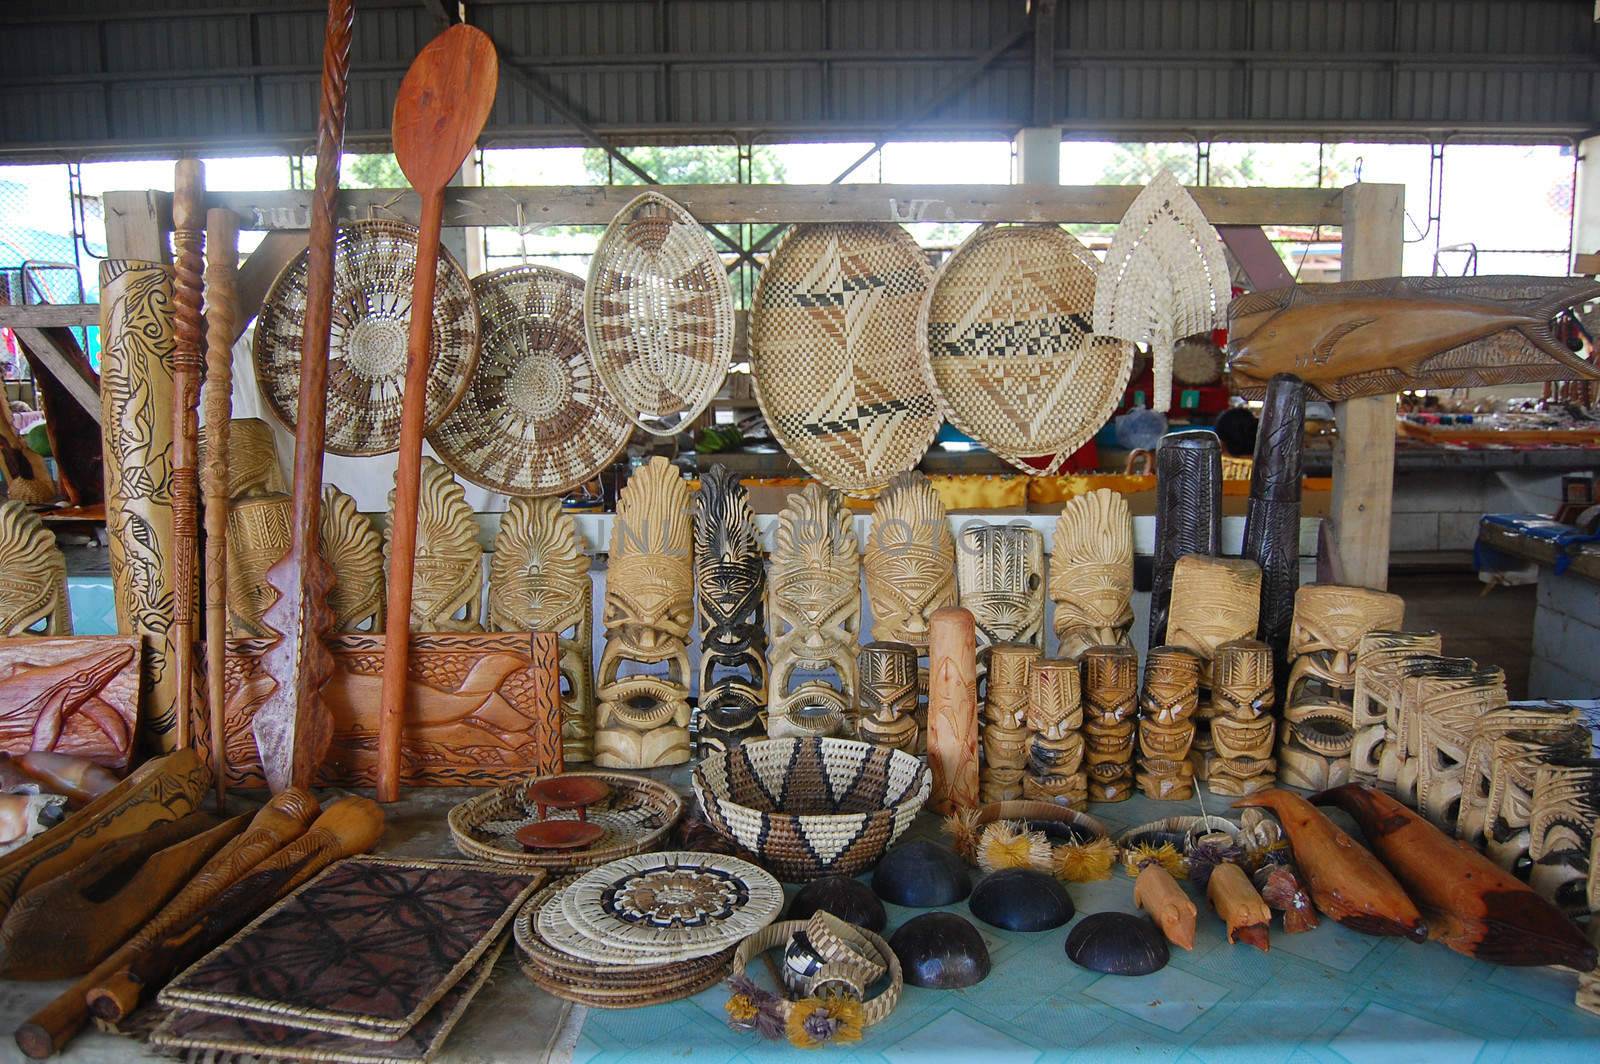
<point x="1496" y="629"/>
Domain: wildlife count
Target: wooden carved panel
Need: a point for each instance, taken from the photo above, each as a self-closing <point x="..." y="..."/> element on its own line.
<point x="1091" y="572"/>
<point x="447" y="591"/>
<point x="253" y="467"/>
<point x="33" y="576"/>
<point x="258" y="535"/>
<point x="70" y="695"/>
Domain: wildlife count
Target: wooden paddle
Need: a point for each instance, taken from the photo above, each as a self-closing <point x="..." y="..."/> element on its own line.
<point x="443" y="103"/>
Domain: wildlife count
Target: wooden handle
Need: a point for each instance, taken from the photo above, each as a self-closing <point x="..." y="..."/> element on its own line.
<point x="188" y="237"/>
<point x="222" y="309"/>
<point x="403" y="544"/>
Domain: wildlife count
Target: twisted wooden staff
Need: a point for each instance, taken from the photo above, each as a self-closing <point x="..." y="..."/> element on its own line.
<point x="188" y="237"/>
<point x="222" y="261"/>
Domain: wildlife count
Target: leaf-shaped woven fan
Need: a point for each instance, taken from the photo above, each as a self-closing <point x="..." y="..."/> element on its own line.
<point x="1165" y="277"/>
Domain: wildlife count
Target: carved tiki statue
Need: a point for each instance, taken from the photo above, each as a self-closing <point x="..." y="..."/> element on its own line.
<point x="447" y="595"/>
<point x="1055" y="741"/>
<point x="354" y="550"/>
<point x="1374" y="712"/>
<point x="642" y="720"/>
<point x="814" y="614"/>
<point x="910" y="560"/>
<point x="1111" y="709"/>
<point x="886" y="695"/>
<point x="1005" y="707"/>
<point x="33" y="576"/>
<point x="1091" y="572"/>
<point x="1167" y="705"/>
<point x="730" y="585"/>
<point x="1242" y="725"/>
<point x="1455" y="710"/>
<point x="1477" y="774"/>
<point x="1518" y="757"/>
<point x="539" y="582"/>
<point x="1000" y="571"/>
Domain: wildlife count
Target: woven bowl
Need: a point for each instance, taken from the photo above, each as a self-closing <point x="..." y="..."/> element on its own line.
<point x="812" y="807"/>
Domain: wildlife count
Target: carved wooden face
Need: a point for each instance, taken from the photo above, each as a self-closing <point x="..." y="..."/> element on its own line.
<point x="814" y="586"/>
<point x="731" y="612"/>
<point x="33" y="574"/>
<point x="538" y="576"/>
<point x="258" y="536"/>
<point x="1250" y="739"/>
<point x="648" y="608"/>
<point x="1165" y="742"/>
<point x="1094" y="606"/>
<point x="1007" y="686"/>
<point x="1329" y="621"/>
<point x="1108" y="750"/>
<point x="886" y="682"/>
<point x="1110" y="684"/>
<point x="1214" y="601"/>
<point x="1171" y="685"/>
<point x="1566" y="807"/>
<point x="1000" y="570"/>
<point x="1055" y="705"/>
<point x="910" y="560"/>
<point x="1241" y="683"/>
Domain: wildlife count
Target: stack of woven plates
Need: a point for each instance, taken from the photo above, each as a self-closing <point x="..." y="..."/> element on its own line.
<point x="645" y="929"/>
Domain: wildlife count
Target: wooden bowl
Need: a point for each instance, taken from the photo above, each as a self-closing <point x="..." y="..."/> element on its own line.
<point x="567" y="792"/>
<point x="560" y="835"/>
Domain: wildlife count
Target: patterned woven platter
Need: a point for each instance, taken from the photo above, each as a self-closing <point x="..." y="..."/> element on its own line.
<point x="834" y="355"/>
<point x="541" y="931"/>
<point x="374" y="263"/>
<point x="678" y="903"/>
<point x="1010" y="346"/>
<point x="660" y="314"/>
<point x="536" y="419"/>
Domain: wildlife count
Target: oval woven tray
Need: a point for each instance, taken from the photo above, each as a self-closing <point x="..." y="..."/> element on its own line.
<point x="834" y="355"/>
<point x="1007" y="328"/>
<point x="659" y="311"/>
<point x="536" y="418"/>
<point x="373" y="267"/>
<point x="637" y="817"/>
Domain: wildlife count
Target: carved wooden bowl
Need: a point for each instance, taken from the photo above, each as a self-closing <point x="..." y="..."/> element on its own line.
<point x="560" y="835"/>
<point x="567" y="792"/>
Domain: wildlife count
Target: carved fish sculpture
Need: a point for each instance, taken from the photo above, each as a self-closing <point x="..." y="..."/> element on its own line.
<point x="49" y="694"/>
<point x="1472" y="904"/>
<point x="1373" y="337"/>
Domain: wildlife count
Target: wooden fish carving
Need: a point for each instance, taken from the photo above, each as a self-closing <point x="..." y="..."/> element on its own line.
<point x="1346" y="881"/>
<point x="1472" y="904"/>
<point x="1374" y="337"/>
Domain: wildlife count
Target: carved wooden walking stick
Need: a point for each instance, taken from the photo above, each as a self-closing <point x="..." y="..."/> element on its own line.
<point x="442" y="106"/>
<point x="292" y="726"/>
<point x="188" y="236"/>
<point x="222" y="297"/>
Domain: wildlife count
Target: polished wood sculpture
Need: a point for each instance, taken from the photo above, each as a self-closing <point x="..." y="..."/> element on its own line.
<point x="1005" y="730"/>
<point x="1347" y="882"/>
<point x="252" y="464"/>
<point x="910" y="560"/>
<point x="284" y="818"/>
<point x="1214" y="601"/>
<point x="886" y="695"/>
<point x="814" y="611"/>
<point x="1188" y="513"/>
<point x="33" y="593"/>
<point x="1000" y="576"/>
<point x="1471" y="905"/>
<point x="76" y="695"/>
<point x="188" y="238"/>
<point x="292" y="729"/>
<point x="953" y="710"/>
<point x="1167" y="705"/>
<point x="1518" y="757"/>
<point x="1446" y="726"/>
<point x="1243" y="729"/>
<point x="1272" y="520"/>
<point x="135" y="405"/>
<point x="259" y="531"/>
<point x="480" y="709"/>
<point x="539" y="582"/>
<point x="221" y="301"/>
<point x="1055" y="742"/>
<point x="444" y="100"/>
<point x="1561" y="832"/>
<point x="1110" y="715"/>
<point x="1318" y="730"/>
<point x="730" y="587"/>
<point x="1436" y="686"/>
<point x="1477" y="773"/>
<point x="353" y="549"/>
<point x="1247" y="917"/>
<point x="642" y="721"/>
<point x="1374" y="709"/>
<point x="1377" y="337"/>
<point x="446" y="574"/>
<point x="1091" y="572"/>
<point x="1157" y="893"/>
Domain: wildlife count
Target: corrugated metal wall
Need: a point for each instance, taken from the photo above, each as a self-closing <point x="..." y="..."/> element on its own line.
<point x="117" y="76"/>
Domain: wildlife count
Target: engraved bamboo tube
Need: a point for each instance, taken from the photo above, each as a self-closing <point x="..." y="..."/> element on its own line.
<point x="953" y="709"/>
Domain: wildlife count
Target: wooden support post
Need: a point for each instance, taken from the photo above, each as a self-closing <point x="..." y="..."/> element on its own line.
<point x="137" y="224"/>
<point x="1363" y="457"/>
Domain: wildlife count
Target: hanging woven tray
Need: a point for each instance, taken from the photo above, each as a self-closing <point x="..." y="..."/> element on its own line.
<point x="374" y="264"/>
<point x="834" y="355"/>
<point x="1010" y="346"/>
<point x="659" y="311"/>
<point x="536" y="418"/>
<point x="637" y="816"/>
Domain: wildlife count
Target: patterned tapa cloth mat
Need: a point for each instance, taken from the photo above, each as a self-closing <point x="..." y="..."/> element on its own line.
<point x="1328" y="995"/>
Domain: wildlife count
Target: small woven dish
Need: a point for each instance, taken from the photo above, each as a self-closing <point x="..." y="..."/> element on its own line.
<point x="637" y="815"/>
<point x="1011" y="349"/>
<point x="834" y="355"/>
<point x="536" y="418"/>
<point x="374" y="264"/>
<point x="812" y="807"/>
<point x="659" y="312"/>
<point x="775" y="936"/>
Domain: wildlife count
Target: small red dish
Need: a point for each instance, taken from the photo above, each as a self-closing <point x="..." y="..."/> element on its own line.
<point x="567" y="792"/>
<point x="559" y="835"/>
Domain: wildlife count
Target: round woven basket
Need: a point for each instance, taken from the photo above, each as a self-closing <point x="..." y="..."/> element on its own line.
<point x="659" y="311"/>
<point x="812" y="807"/>
<point x="873" y="1010"/>
<point x="834" y="355"/>
<point x="637" y="816"/>
<point x="373" y="267"/>
<point x="536" y="418"/>
<point x="1010" y="348"/>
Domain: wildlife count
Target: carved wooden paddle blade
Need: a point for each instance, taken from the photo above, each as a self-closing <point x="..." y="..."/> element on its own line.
<point x="443" y="104"/>
<point x="293" y="729"/>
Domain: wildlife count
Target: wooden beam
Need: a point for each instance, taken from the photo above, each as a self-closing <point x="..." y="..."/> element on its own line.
<point x="780" y="204"/>
<point x="48" y="315"/>
<point x="137" y="224"/>
<point x="47" y="349"/>
<point x="1363" y="455"/>
<point x="256" y="274"/>
<point x="1043" y="111"/>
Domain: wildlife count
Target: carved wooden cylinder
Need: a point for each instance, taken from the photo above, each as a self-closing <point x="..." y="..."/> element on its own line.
<point x="953" y="710"/>
<point x="1272" y="520"/>
<point x="814" y="614"/>
<point x="1055" y="741"/>
<point x="1167" y="705"/>
<point x="1091" y="572"/>
<point x="1188" y="513"/>
<point x="886" y="695"/>
<point x="730" y="587"/>
<point x="1111" y="700"/>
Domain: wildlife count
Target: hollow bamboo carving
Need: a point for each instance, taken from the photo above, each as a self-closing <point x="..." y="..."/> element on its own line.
<point x="353" y="549"/>
<point x="1272" y="520"/>
<point x="814" y="612"/>
<point x="730" y="586"/>
<point x="33" y="594"/>
<point x="886" y="695"/>
<point x="1091" y="572"/>
<point x="953" y="710"/>
<point x="1055" y="741"/>
<point x="1374" y="709"/>
<point x="447" y="581"/>
<point x="1000" y="573"/>
<point x="1005" y="732"/>
<point x="1167" y="706"/>
<point x="1111" y="709"/>
<point x="1188" y="513"/>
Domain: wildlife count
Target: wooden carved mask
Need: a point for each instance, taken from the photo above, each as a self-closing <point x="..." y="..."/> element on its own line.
<point x="910" y="560"/>
<point x="730" y="585"/>
<point x="449" y="565"/>
<point x="815" y="613"/>
<point x="1091" y="572"/>
<point x="1477" y="775"/>
<point x="354" y="550"/>
<point x="1214" y="601"/>
<point x="1000" y="570"/>
<point x="33" y="576"/>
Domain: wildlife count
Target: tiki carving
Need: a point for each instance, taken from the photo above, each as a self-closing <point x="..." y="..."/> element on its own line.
<point x="953" y="710"/>
<point x="1318" y="723"/>
<point x="814" y="613"/>
<point x="1111" y="709"/>
<point x="1000" y="572"/>
<point x="642" y="720"/>
<point x="354" y="550"/>
<point x="258" y="534"/>
<point x="1447" y="720"/>
<point x="1272" y="520"/>
<point x="1380" y="657"/>
<point x="1005" y="707"/>
<point x="447" y="585"/>
<point x="1455" y="688"/>
<point x="539" y="582"/>
<point x="252" y="459"/>
<point x="886" y="695"/>
<point x="1518" y="756"/>
<point x="136" y="398"/>
<point x="1477" y="774"/>
<point x="1167" y="706"/>
<point x="1188" y="513"/>
<point x="1243" y="729"/>
<point x="1566" y="810"/>
<point x="1214" y="601"/>
<point x="70" y="695"/>
<point x="33" y="576"/>
<point x="1091" y="572"/>
<point x="730" y="585"/>
<point x="1055" y="735"/>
